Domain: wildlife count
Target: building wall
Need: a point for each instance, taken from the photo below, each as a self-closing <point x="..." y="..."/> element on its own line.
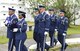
<point x="18" y="5"/>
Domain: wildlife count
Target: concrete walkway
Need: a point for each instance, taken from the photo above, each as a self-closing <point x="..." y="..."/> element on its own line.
<point x="69" y="41"/>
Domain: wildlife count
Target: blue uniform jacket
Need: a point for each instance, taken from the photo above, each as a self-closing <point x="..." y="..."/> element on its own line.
<point x="12" y="22"/>
<point x="53" y="22"/>
<point x="36" y="29"/>
<point x="62" y="25"/>
<point x="21" y="33"/>
<point x="36" y="23"/>
<point x="44" y="23"/>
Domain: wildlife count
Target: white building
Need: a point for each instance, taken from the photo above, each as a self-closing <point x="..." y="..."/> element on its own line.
<point x="16" y="4"/>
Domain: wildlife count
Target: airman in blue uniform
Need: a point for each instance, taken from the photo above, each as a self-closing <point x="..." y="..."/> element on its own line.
<point x="35" y="33"/>
<point x="43" y="27"/>
<point x="21" y="36"/>
<point x="53" y="23"/>
<point x="62" y="26"/>
<point x="11" y="23"/>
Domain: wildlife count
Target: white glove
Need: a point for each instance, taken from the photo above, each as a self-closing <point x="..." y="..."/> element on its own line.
<point x="64" y="34"/>
<point x="15" y="29"/>
<point x="45" y="33"/>
<point x="55" y="30"/>
<point x="6" y="22"/>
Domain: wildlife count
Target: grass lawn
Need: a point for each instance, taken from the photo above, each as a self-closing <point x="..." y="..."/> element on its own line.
<point x="73" y="30"/>
<point x="30" y="23"/>
<point x="30" y="34"/>
<point x="3" y="40"/>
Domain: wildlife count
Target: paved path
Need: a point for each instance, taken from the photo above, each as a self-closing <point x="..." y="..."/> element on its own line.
<point x="73" y="49"/>
<point x="69" y="49"/>
<point x="3" y="47"/>
<point x="69" y="41"/>
<point x="3" y="31"/>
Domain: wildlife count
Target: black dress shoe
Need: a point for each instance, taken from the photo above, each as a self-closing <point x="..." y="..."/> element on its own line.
<point x="65" y="46"/>
<point x="48" y="48"/>
<point x="55" y="42"/>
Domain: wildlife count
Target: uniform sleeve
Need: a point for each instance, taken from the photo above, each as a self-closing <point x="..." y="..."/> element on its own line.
<point x="57" y="23"/>
<point x="66" y="24"/>
<point x="6" y="19"/>
<point x="24" y="27"/>
<point x="47" y="22"/>
<point x="56" y="18"/>
<point x="35" y="20"/>
<point x="7" y="22"/>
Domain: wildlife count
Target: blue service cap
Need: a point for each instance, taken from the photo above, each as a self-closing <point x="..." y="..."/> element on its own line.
<point x="62" y="11"/>
<point x="51" y="9"/>
<point x="41" y="6"/>
<point x="36" y="9"/>
<point x="11" y="9"/>
<point x="22" y="13"/>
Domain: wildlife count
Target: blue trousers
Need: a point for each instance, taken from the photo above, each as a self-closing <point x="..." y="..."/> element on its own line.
<point x="20" y="45"/>
<point x="61" y="39"/>
<point x="52" y="38"/>
<point x="36" y="38"/>
<point x="11" y="44"/>
<point x="38" y="45"/>
<point x="42" y="41"/>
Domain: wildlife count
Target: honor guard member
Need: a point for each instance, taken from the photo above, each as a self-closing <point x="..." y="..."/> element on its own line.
<point x="21" y="36"/>
<point x="53" y="23"/>
<point x="62" y="26"/>
<point x="43" y="27"/>
<point x="10" y="23"/>
<point x="35" y="33"/>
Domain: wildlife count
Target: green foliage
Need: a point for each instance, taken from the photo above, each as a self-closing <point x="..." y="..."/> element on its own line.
<point x="67" y="5"/>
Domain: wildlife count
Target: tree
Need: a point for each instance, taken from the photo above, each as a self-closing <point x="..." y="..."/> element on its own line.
<point x="68" y="5"/>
